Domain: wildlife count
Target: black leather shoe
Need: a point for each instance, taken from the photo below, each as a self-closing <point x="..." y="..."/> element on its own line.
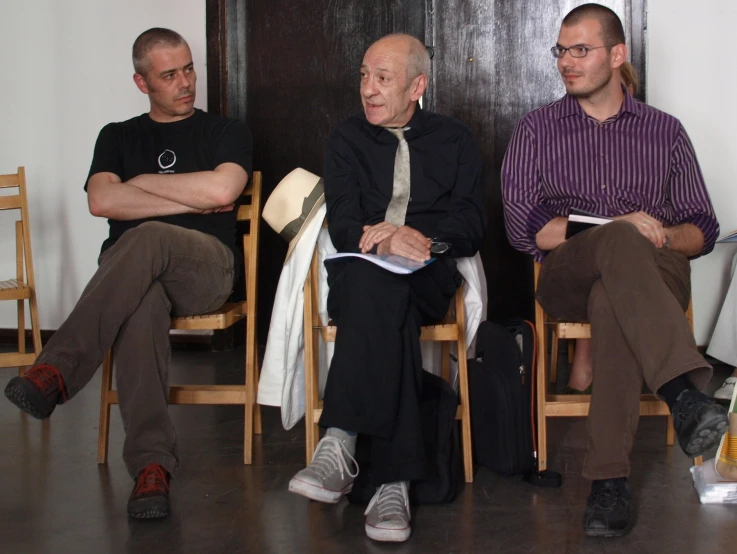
<point x="609" y="509"/>
<point x="699" y="422"/>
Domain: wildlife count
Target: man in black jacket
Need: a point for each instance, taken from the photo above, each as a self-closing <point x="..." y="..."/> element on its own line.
<point x="398" y="181"/>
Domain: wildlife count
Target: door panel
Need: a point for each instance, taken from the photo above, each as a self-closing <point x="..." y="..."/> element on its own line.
<point x="303" y="78"/>
<point x="491" y="66"/>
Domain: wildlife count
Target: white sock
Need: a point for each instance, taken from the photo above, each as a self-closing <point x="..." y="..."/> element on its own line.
<point x="348" y="439"/>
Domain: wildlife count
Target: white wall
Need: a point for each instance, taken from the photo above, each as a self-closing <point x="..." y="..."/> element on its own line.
<point x="65" y="72"/>
<point x="692" y="75"/>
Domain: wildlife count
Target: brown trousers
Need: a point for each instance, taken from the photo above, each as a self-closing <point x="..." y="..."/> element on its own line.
<point x="153" y="271"/>
<point x="634" y="296"/>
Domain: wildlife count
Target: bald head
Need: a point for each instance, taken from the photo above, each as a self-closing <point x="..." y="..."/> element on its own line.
<point x="413" y="52"/>
<point x="393" y="78"/>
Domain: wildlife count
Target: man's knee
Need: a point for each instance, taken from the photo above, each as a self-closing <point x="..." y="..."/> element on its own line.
<point x="619" y="234"/>
<point x="154" y="232"/>
<point x="364" y="277"/>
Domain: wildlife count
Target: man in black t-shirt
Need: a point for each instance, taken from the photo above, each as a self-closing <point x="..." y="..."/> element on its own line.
<point x="167" y="181"/>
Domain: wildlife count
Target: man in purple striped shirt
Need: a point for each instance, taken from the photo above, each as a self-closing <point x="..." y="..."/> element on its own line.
<point x="599" y="150"/>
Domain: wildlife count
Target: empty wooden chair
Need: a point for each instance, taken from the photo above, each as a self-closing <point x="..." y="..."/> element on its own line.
<point x="23" y="287"/>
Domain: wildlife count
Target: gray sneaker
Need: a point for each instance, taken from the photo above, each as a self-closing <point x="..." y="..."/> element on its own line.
<point x="328" y="476"/>
<point x="387" y="515"/>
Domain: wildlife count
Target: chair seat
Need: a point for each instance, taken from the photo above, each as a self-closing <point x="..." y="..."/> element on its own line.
<point x="317" y="412"/>
<point x="222" y="318"/>
<point x="199" y="394"/>
<point x="13" y="289"/>
<point x="572" y="330"/>
<point x="577" y="405"/>
<point x="441" y="332"/>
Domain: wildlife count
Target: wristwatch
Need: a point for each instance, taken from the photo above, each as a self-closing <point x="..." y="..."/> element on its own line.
<point x="439" y="247"/>
<point x="666" y="245"/>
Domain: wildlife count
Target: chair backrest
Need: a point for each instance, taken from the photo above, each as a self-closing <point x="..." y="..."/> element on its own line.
<point x="251" y="213"/>
<point x="19" y="201"/>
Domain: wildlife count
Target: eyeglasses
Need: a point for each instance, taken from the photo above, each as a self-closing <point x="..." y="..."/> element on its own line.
<point x="575" y="51"/>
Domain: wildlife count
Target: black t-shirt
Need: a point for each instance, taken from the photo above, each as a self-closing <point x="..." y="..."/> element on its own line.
<point x="199" y="143"/>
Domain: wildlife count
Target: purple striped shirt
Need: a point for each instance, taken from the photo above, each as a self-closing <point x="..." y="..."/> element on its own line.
<point x="638" y="160"/>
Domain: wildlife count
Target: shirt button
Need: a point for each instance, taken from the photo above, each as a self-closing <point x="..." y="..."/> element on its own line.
<point x="603" y="187"/>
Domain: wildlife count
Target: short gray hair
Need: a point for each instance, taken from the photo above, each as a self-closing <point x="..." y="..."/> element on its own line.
<point x="418" y="61"/>
<point x="147" y="40"/>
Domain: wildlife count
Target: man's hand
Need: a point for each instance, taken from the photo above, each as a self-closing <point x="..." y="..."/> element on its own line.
<point x="649" y="227"/>
<point x="406" y="242"/>
<point x="374" y="234"/>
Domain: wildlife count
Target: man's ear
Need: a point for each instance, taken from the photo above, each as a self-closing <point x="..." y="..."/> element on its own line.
<point x="140" y="81"/>
<point x="419" y="84"/>
<point x="619" y="55"/>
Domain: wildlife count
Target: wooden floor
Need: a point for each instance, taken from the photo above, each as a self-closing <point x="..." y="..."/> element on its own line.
<point x="55" y="498"/>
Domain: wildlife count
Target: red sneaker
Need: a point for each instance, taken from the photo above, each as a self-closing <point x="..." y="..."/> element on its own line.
<point x="38" y="392"/>
<point x="150" y="496"/>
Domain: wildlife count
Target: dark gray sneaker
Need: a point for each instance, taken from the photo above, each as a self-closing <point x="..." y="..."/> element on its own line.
<point x="388" y="514"/>
<point x="699" y="422"/>
<point x="329" y="475"/>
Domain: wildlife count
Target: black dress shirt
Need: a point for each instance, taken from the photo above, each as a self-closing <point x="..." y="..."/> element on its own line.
<point x="446" y="192"/>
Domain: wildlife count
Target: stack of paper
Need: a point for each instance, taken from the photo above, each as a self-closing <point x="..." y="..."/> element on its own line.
<point x="711" y="488"/>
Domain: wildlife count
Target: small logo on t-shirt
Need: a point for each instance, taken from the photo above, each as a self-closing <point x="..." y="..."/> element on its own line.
<point x="167" y="159"/>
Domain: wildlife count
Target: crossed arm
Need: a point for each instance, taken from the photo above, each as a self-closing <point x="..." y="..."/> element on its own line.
<point x="152" y="195"/>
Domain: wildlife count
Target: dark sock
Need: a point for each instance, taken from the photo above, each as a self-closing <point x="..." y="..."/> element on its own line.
<point x="673" y="388"/>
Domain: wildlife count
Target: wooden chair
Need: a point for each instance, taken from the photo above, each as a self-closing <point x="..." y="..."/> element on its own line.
<point x="550" y="404"/>
<point x="227" y="315"/>
<point x="23" y="287"/>
<point x="452" y="329"/>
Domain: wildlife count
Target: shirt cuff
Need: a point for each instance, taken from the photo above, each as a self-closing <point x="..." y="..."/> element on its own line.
<point x="709" y="228"/>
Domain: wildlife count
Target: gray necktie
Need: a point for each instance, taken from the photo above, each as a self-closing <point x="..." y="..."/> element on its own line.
<point x="396" y="211"/>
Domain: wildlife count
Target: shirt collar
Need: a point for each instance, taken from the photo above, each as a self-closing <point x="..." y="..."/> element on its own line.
<point x="569" y="106"/>
<point x="416" y="123"/>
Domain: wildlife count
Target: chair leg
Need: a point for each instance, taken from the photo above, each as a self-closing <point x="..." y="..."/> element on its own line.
<point x="256" y="406"/>
<point x="554" y="357"/>
<point x="541" y="390"/>
<point x="103" y="432"/>
<point x="248" y="423"/>
<point x="670" y="432"/>
<point x="445" y="361"/>
<point x="465" y="418"/>
<point x="21" y="334"/>
<point x="571" y="350"/>
<point x="312" y="390"/>
<point x="312" y="367"/>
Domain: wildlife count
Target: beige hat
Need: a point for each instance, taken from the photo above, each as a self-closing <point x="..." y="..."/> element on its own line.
<point x="293" y="204"/>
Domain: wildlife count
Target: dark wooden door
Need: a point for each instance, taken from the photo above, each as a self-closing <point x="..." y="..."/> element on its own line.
<point x="303" y="60"/>
<point x="291" y="71"/>
<point x="491" y="66"/>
